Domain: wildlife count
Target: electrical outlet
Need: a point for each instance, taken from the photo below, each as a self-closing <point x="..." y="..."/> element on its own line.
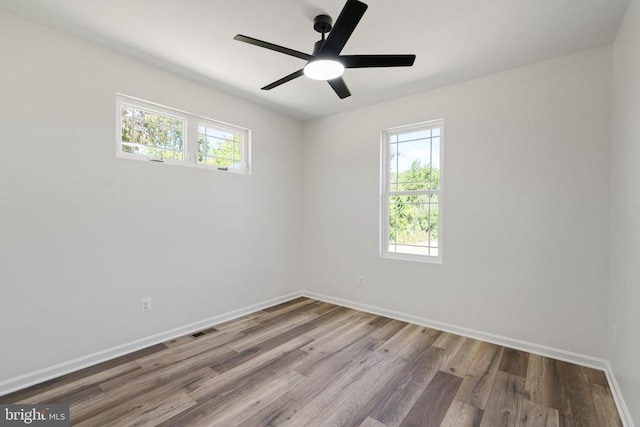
<point x="145" y="304"/>
<point x="360" y="280"/>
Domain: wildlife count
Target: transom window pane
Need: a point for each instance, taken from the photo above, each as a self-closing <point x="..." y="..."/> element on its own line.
<point x="219" y="147"/>
<point x="151" y="134"/>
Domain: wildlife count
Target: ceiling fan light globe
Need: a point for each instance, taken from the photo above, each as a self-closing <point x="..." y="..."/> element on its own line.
<point x="323" y="69"/>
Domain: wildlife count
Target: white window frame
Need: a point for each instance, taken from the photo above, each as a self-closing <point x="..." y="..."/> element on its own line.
<point x="385" y="192"/>
<point x="190" y="143"/>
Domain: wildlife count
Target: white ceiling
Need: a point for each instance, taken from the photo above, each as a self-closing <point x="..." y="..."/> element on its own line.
<point x="454" y="40"/>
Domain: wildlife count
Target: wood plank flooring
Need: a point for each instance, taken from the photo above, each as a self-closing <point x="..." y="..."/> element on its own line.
<point x="309" y="363"/>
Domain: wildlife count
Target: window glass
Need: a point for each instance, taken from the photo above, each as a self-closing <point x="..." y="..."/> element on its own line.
<point x="151" y="134"/>
<point x="219" y="147"/>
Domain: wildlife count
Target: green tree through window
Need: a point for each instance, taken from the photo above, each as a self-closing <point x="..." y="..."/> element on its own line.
<point x="413" y="219"/>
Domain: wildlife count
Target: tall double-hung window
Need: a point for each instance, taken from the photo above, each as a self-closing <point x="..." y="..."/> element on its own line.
<point x="411" y="192"/>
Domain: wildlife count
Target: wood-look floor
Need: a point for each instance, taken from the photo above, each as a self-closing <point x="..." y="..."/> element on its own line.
<point x="309" y="363"/>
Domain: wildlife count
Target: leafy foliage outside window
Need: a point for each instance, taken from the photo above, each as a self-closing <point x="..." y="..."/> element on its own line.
<point x="151" y="134"/>
<point x="413" y="219"/>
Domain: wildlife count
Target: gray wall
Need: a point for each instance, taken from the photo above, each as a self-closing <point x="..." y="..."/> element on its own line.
<point x="624" y="349"/>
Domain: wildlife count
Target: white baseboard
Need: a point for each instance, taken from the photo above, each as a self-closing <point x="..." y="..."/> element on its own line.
<point x="554" y="353"/>
<point x="32" y="378"/>
<point x="623" y="410"/>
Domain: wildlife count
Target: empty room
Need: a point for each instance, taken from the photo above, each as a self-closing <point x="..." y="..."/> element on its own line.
<point x="320" y="213"/>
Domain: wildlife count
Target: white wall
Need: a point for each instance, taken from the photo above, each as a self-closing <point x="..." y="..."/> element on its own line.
<point x="624" y="350"/>
<point x="84" y="235"/>
<point x="525" y="205"/>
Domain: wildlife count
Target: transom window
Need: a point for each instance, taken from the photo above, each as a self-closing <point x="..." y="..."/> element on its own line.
<point x="411" y="226"/>
<point x="152" y="134"/>
<point x="219" y="147"/>
<point x="148" y="131"/>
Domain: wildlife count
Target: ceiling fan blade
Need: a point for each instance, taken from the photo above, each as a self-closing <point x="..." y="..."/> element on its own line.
<point x="345" y="24"/>
<point x="366" y="61"/>
<point x="283" y="80"/>
<point x="340" y="87"/>
<point x="272" y="46"/>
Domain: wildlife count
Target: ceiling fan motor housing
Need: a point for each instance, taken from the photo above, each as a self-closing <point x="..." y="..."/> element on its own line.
<point x="322" y="23"/>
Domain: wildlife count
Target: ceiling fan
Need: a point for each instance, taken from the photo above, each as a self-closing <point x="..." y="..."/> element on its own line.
<point x="326" y="63"/>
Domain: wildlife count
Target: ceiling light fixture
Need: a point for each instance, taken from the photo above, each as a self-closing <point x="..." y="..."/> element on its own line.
<point x="323" y="69"/>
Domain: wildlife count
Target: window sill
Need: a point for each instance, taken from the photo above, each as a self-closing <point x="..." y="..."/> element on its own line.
<point x="425" y="259"/>
<point x="182" y="163"/>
